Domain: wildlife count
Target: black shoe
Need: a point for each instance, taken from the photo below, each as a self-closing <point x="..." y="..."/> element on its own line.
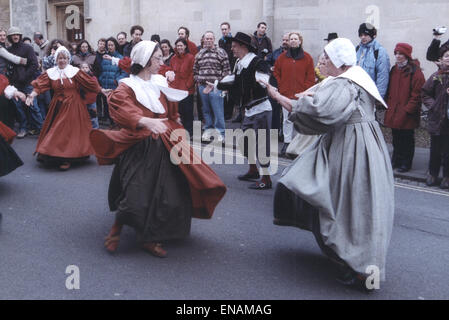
<point x="445" y="184"/>
<point x="403" y="169"/>
<point x="261" y="186"/>
<point x="249" y="177"/>
<point x="238" y="119"/>
<point x="431" y="181"/>
<point x="284" y="150"/>
<point x="352" y="279"/>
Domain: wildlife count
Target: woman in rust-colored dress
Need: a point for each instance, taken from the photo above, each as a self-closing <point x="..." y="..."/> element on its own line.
<point x="64" y="138"/>
<point x="151" y="193"/>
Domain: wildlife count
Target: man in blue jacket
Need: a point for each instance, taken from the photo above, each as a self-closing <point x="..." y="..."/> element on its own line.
<point x="373" y="58"/>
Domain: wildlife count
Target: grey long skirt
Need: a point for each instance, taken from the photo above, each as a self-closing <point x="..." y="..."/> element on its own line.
<point x="150" y="194"/>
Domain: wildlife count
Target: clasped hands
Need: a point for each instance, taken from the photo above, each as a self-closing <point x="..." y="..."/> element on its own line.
<point x="155" y="125"/>
<point x="274" y="93"/>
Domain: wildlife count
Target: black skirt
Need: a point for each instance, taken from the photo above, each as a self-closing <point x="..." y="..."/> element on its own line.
<point x="291" y="210"/>
<point x="9" y="160"/>
<point x="150" y="193"/>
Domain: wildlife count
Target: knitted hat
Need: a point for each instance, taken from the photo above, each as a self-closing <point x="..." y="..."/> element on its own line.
<point x="405" y="49"/>
<point x="14" y="31"/>
<point x="368" y="29"/>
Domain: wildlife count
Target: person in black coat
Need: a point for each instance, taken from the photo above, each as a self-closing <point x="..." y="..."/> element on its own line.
<point x="433" y="52"/>
<point x="21" y="76"/>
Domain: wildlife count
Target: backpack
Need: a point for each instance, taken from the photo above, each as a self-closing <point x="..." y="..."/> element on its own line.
<point x="376" y="52"/>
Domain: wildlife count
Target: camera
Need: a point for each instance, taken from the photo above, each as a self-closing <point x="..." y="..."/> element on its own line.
<point x="439" y="31"/>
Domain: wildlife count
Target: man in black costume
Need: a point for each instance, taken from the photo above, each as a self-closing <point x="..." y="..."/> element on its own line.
<point x="248" y="93"/>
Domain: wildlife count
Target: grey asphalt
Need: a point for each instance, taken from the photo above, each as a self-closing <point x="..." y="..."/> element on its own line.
<point x="54" y="219"/>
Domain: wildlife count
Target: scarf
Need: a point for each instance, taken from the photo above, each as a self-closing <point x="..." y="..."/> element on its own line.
<point x="296" y="53"/>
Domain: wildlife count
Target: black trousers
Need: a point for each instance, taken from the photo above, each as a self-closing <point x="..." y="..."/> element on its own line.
<point x="260" y="121"/>
<point x="439" y="155"/>
<point x="185" y="109"/>
<point x="199" y="105"/>
<point x="277" y="110"/>
<point x="404" y="148"/>
<point x="228" y="107"/>
<point x="103" y="109"/>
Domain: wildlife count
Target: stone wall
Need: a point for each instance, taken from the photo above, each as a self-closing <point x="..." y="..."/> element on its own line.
<point x="4" y="14"/>
<point x="409" y="21"/>
<point x="164" y="18"/>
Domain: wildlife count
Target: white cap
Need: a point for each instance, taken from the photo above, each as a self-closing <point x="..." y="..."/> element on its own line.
<point x="142" y="52"/>
<point x="341" y="51"/>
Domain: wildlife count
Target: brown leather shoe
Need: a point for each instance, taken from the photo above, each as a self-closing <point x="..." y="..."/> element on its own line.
<point x="65" y="166"/>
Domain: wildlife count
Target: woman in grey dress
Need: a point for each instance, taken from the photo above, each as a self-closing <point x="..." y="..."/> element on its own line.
<point x="342" y="187"/>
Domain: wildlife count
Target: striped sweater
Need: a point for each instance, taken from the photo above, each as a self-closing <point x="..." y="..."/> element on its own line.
<point x="210" y="65"/>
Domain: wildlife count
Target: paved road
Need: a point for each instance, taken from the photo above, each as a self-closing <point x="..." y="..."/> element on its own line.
<point x="53" y="220"/>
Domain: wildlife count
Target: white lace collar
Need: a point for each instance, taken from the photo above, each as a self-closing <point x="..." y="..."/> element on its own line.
<point x="244" y="62"/>
<point x="56" y="74"/>
<point x="149" y="92"/>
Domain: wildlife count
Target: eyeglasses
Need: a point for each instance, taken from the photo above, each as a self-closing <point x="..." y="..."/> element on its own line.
<point x="160" y="58"/>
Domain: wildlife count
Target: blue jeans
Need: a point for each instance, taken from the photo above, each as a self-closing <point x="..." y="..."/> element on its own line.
<point x="35" y="113"/>
<point x="43" y="100"/>
<point x="213" y="110"/>
<point x="92" y="109"/>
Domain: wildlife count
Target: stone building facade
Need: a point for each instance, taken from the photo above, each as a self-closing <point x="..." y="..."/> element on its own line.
<point x="398" y="21"/>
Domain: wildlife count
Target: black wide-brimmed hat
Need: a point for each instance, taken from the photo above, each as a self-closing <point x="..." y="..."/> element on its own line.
<point x="244" y="39"/>
<point x="331" y="36"/>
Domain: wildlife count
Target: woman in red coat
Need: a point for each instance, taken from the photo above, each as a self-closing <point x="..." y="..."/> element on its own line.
<point x="149" y="191"/>
<point x="404" y="106"/>
<point x="180" y="76"/>
<point x="295" y="72"/>
<point x="65" y="134"/>
<point x="9" y="160"/>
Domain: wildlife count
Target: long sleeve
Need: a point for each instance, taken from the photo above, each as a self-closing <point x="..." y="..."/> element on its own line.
<point x="433" y="50"/>
<point x="190" y="81"/>
<point x="414" y="104"/>
<point x="32" y="65"/>
<point x="9" y="56"/>
<point x="122" y="107"/>
<point x="332" y="105"/>
<point x="310" y="74"/>
<point x="383" y="72"/>
<point x="4" y="83"/>
<point x="428" y="92"/>
<point x="42" y="84"/>
<point x="226" y="66"/>
<point x="88" y="83"/>
<point x="196" y="69"/>
<point x="278" y="70"/>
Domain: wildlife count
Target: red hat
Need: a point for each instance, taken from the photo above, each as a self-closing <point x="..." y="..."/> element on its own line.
<point x="405" y="49"/>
